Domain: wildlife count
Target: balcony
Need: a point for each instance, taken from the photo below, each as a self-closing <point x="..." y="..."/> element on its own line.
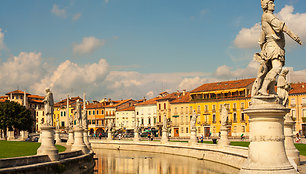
<point x="100" y="125"/>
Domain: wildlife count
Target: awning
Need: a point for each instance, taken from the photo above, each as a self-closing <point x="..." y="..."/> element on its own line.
<point x="175" y="116"/>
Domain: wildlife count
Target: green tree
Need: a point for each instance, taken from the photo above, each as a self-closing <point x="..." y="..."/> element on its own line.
<point x="13" y="115"/>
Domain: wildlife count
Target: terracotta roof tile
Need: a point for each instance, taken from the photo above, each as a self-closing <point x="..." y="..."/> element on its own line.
<point x="17" y="92"/>
<point x="224" y="85"/>
<point x="149" y="102"/>
<point x="36" y="96"/>
<point x="171" y="96"/>
<point x="298" y="88"/>
<point x="132" y="108"/>
<point x="117" y="103"/>
<point x="182" y="99"/>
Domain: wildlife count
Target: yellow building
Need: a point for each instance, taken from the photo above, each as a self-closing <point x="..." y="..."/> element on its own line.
<point x="297" y="104"/>
<point x="207" y="100"/>
<point x="180" y="116"/>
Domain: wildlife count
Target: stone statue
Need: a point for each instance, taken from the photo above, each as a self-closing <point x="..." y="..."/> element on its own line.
<point x="77" y="113"/>
<point x="57" y="124"/>
<point x="283" y="87"/>
<point x="136" y="129"/>
<point x="272" y="55"/>
<point x="193" y="120"/>
<point x="165" y="122"/>
<point x="49" y="103"/>
<point x="70" y="122"/>
<point x="84" y="119"/>
<point x="224" y="114"/>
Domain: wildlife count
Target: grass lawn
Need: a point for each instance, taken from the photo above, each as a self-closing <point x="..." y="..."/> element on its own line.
<point x="300" y="147"/>
<point x="10" y="149"/>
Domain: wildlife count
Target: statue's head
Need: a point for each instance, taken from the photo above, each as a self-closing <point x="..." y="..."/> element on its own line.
<point x="284" y="71"/>
<point x="267" y="5"/>
<point x="47" y="90"/>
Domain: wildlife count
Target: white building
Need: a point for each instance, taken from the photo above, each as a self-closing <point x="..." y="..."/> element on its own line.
<point x="125" y="119"/>
<point x="146" y="114"/>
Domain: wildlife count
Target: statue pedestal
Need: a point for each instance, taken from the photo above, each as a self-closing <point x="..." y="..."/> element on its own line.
<point x="79" y="141"/>
<point x="57" y="136"/>
<point x="164" y="138"/>
<point x="86" y="141"/>
<point x="109" y="136"/>
<point x="70" y="140"/>
<point x="266" y="150"/>
<point x="223" y="141"/>
<point x="193" y="137"/>
<point x="23" y="135"/>
<point x="11" y="135"/>
<point x="47" y="146"/>
<point x="291" y="151"/>
<point x="136" y="137"/>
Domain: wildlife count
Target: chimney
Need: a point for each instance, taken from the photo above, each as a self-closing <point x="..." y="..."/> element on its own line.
<point x="144" y="99"/>
<point x="184" y="92"/>
<point x="24" y="99"/>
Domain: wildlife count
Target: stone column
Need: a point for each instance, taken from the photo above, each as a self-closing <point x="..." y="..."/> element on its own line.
<point x="79" y="141"/>
<point x="109" y="135"/>
<point x="136" y="137"/>
<point x="165" y="137"/>
<point x="47" y="146"/>
<point x="11" y="135"/>
<point x="86" y="141"/>
<point x="223" y="141"/>
<point x="291" y="151"/>
<point x="70" y="140"/>
<point x="57" y="136"/>
<point x="193" y="136"/>
<point x="266" y="150"/>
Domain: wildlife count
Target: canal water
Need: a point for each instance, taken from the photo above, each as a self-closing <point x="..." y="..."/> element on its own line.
<point x="130" y="162"/>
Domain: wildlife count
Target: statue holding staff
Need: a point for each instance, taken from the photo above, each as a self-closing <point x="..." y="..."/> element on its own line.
<point x="272" y="55"/>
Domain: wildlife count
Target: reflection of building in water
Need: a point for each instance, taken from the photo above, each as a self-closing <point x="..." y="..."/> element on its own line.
<point x="130" y="162"/>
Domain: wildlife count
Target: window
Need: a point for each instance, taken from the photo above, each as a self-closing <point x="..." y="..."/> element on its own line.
<point x="186" y="129"/>
<point x="89" y="112"/>
<point x="182" y="130"/>
<point x="235" y="117"/>
<point x="93" y="121"/>
<point x="293" y="113"/>
<point x="243" y="128"/>
<point x="62" y="124"/>
<point x="149" y="121"/>
<point x="141" y="120"/>
<point x="214" y="118"/>
<point x="242" y="117"/>
<point x="234" y="106"/>
<point x="102" y="112"/>
<point x="74" y="122"/>
<point x="303" y="101"/>
<point x="159" y="106"/>
<point x="206" y="108"/>
<point x="61" y="113"/>
<point x="93" y="112"/>
<point x="214" y="108"/>
<point x="165" y="106"/>
<point x="97" y="112"/>
<point x="199" y="108"/>
<point x="154" y="120"/>
<point x="137" y="113"/>
<point x="64" y="113"/>
<point x="304" y="113"/>
<point x="293" y="102"/>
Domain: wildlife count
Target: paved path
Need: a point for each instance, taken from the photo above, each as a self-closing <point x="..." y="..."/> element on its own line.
<point x="302" y="167"/>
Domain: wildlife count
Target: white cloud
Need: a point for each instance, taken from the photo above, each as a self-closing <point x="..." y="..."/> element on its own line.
<point x="21" y="71"/>
<point x="150" y="94"/>
<point x="191" y="83"/>
<point x="58" y="12"/>
<point x="76" y="16"/>
<point x="106" y="1"/>
<point x="248" y="37"/>
<point x="70" y="77"/>
<point x="88" y="45"/>
<point x="2" y="45"/>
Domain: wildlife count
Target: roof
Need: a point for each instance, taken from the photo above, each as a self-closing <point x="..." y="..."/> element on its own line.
<point x="149" y="102"/>
<point x="16" y="92"/>
<point x="171" y="96"/>
<point x="4" y="97"/>
<point x="132" y="108"/>
<point x="36" y="101"/>
<point x="298" y="88"/>
<point x="182" y="99"/>
<point x="234" y="84"/>
<point x="2" y="100"/>
<point x="117" y="103"/>
<point x="36" y="96"/>
<point x="72" y="101"/>
<point x="95" y="105"/>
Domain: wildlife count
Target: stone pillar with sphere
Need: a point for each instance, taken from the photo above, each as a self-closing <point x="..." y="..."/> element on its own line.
<point x="223" y="141"/>
<point x="85" y="124"/>
<point x="165" y="137"/>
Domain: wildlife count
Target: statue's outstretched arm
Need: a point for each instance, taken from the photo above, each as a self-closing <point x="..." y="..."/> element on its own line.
<point x="292" y="35"/>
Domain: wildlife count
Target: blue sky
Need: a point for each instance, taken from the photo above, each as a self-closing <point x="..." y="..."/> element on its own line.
<point x="191" y="41"/>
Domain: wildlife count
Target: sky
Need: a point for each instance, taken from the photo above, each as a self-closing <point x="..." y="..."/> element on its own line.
<point x="136" y="48"/>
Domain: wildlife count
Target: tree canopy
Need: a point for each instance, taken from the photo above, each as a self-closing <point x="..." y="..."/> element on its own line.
<point x="14" y="115"/>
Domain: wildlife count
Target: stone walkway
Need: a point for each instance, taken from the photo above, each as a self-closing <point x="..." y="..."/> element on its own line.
<point x="302" y="167"/>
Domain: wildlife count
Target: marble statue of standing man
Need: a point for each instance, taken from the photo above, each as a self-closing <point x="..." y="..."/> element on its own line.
<point x="224" y="114"/>
<point x="272" y="55"/>
<point x="78" y="113"/>
<point x="49" y="103"/>
<point x="193" y="120"/>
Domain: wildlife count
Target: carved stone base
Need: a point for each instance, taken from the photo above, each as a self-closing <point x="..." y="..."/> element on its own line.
<point x="86" y="141"/>
<point x="136" y="137"/>
<point x="47" y="146"/>
<point x="57" y="136"/>
<point x="79" y="141"/>
<point x="223" y="141"/>
<point x="109" y="136"/>
<point x="70" y="140"/>
<point x="291" y="151"/>
<point x="266" y="150"/>
<point x="193" y="137"/>
<point x="164" y="138"/>
<point x="10" y="135"/>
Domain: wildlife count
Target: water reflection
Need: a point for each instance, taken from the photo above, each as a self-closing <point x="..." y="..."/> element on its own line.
<point x="130" y="162"/>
